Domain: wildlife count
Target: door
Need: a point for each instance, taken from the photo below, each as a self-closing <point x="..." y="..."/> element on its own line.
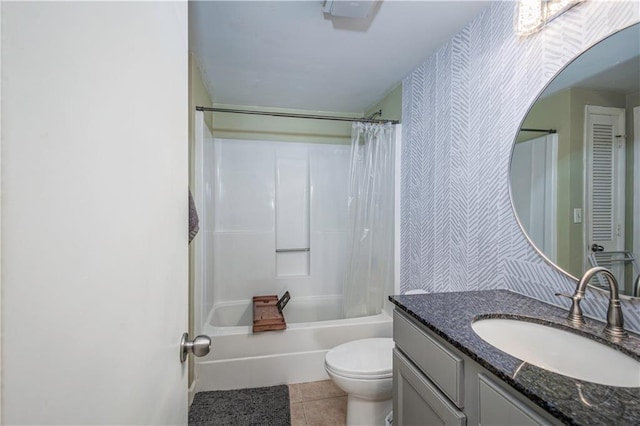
<point x="534" y="189"/>
<point x="605" y="180"/>
<point x="94" y="212"/>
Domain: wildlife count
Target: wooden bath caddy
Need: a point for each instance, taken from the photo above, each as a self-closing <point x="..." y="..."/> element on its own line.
<point x="267" y="313"/>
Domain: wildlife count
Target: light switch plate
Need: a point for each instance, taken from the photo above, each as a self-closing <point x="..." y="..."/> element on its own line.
<point x="577" y="215"/>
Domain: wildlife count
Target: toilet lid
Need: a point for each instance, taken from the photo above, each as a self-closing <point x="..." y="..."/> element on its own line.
<point x="366" y="358"/>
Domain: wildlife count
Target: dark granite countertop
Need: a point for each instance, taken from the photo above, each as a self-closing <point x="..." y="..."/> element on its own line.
<point x="570" y="400"/>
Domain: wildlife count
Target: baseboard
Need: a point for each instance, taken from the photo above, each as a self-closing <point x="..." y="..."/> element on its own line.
<point x="192" y="392"/>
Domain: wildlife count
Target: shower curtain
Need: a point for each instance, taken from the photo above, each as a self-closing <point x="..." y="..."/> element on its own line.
<point x="370" y="228"/>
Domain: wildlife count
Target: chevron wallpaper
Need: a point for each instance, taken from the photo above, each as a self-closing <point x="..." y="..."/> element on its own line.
<point x="461" y="111"/>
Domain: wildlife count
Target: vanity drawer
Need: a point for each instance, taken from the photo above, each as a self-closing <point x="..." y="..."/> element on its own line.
<point x="442" y="366"/>
<point x="416" y="401"/>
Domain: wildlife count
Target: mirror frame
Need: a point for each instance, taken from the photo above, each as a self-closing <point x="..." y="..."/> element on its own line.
<point x="513" y="146"/>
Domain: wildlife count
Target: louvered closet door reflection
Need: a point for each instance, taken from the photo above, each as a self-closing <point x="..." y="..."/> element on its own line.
<point x="605" y="189"/>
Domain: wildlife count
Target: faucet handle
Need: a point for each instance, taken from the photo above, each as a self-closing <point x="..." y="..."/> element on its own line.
<point x="568" y="296"/>
<point x="575" y="312"/>
<point x="615" y="321"/>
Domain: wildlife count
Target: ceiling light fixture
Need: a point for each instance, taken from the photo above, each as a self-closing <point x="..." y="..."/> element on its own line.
<point x="532" y="15"/>
<point x="348" y="9"/>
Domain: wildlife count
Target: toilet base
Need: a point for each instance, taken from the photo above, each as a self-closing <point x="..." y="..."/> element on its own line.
<point x="365" y="412"/>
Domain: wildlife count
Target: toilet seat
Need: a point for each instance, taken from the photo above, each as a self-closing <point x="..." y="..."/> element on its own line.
<point x="366" y="359"/>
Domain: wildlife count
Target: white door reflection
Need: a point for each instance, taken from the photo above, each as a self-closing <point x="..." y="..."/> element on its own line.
<point x="534" y="174"/>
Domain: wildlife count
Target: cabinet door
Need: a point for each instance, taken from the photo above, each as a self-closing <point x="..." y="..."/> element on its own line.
<point x="498" y="407"/>
<point x="417" y="401"/>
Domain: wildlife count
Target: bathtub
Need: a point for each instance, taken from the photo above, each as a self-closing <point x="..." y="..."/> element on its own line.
<point x="240" y="359"/>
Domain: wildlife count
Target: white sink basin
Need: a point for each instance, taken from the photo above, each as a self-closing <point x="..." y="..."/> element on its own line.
<point x="560" y="351"/>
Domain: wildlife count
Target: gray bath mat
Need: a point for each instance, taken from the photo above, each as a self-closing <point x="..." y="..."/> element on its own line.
<point x="243" y="407"/>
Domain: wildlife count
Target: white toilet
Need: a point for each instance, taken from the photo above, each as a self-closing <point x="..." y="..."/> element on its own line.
<point x="363" y="369"/>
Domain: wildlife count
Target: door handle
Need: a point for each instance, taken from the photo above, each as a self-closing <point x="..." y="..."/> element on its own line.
<point x="200" y="346"/>
<point x="596" y="248"/>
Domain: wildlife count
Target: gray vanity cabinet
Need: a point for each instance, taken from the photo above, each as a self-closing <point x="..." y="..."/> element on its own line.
<point x="417" y="401"/>
<point x="499" y="407"/>
<point x="435" y="384"/>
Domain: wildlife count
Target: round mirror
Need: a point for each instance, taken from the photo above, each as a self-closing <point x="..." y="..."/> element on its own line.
<point x="573" y="182"/>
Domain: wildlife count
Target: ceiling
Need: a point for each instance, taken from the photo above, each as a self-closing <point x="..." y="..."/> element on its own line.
<point x="288" y="54"/>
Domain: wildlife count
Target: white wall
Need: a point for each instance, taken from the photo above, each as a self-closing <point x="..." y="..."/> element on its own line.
<point x="94" y="212"/>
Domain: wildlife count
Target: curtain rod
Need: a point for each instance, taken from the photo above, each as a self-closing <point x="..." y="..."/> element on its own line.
<point x="289" y="115"/>
<point x="550" y="131"/>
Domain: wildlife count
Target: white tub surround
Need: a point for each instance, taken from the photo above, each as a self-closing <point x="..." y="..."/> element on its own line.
<point x="274" y="219"/>
<point x="279" y="214"/>
<point x="240" y="359"/>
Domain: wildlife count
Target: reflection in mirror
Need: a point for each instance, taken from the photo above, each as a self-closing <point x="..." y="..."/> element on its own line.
<point x="573" y="184"/>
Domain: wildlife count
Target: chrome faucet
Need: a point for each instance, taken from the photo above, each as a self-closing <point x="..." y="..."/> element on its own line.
<point x="615" y="321"/>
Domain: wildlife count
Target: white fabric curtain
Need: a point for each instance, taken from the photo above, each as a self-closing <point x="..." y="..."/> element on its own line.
<point x="370" y="229"/>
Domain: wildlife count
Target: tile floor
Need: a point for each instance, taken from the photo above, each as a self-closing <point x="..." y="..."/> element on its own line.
<point x="317" y="403"/>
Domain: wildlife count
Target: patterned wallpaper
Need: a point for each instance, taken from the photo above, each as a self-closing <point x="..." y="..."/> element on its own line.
<point x="461" y="111"/>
